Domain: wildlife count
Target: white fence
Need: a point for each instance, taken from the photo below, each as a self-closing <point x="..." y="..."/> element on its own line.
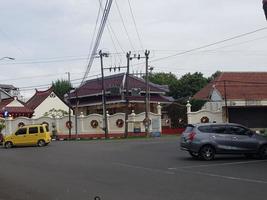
<point x="204" y="115"/>
<point x="91" y="125"/>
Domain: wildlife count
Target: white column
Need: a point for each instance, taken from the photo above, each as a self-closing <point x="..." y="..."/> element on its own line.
<point x="188" y="106"/>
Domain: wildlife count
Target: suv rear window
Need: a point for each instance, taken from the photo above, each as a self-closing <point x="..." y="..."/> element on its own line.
<point x="205" y="129"/>
<point x="189" y="129"/>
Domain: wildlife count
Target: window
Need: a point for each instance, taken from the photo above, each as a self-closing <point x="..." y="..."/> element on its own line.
<point x="219" y="129"/>
<point x="21" y="131"/>
<point x="41" y="129"/>
<point x="237" y="130"/>
<point x="189" y="128"/>
<point x="33" y="130"/>
<point x="205" y="129"/>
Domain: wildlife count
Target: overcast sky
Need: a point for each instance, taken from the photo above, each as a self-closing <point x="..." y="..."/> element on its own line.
<point x="52" y="37"/>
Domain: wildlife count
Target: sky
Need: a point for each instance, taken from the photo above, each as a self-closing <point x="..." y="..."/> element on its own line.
<point x="49" y="38"/>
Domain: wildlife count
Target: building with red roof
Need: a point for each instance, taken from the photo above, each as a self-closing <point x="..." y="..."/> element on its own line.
<point x="241" y="96"/>
<point x="44" y="101"/>
<point x="89" y="96"/>
<point x="12" y="107"/>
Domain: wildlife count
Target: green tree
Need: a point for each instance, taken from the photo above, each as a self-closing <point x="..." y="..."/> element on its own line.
<point x="163" y="78"/>
<point x="61" y="87"/>
<point x="188" y="85"/>
<point x="214" y="75"/>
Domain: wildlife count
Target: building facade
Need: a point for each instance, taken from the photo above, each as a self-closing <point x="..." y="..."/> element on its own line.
<point x="88" y="97"/>
<point x="237" y="97"/>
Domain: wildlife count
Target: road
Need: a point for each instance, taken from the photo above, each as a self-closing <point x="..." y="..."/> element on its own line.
<point x="134" y="169"/>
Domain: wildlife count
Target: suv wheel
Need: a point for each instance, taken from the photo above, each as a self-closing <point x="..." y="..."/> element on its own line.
<point x="193" y="154"/>
<point x="8" y="145"/>
<point x="207" y="152"/>
<point x="263" y="152"/>
<point x="41" y="143"/>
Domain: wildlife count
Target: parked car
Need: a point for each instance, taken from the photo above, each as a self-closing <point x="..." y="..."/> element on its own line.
<point x="206" y="140"/>
<point x="27" y="136"/>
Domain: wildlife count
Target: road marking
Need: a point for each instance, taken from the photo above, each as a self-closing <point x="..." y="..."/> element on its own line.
<point x="226" y="177"/>
<point x="143" y="168"/>
<point x="222" y="164"/>
<point x="172" y="168"/>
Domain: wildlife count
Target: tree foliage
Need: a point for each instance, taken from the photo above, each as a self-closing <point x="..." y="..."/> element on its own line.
<point x="214" y="75"/>
<point x="162" y="78"/>
<point x="182" y="89"/>
<point x="188" y="85"/>
<point x="55" y="113"/>
<point x="61" y="87"/>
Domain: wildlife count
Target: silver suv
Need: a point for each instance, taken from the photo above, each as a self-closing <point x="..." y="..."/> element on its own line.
<point x="206" y="140"/>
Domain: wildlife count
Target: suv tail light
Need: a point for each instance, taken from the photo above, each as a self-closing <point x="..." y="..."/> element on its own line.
<point x="191" y="136"/>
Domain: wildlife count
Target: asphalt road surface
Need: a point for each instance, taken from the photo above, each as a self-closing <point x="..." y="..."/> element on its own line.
<point x="135" y="169"/>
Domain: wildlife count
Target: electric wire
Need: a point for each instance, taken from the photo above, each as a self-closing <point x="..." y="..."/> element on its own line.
<point x="111" y="36"/>
<point x="124" y="26"/>
<point x="209" y="45"/>
<point x="73" y="81"/>
<point x="11" y="41"/>
<point x="95" y="27"/>
<point x="137" y="32"/>
<point x="98" y="38"/>
<point x="72" y="58"/>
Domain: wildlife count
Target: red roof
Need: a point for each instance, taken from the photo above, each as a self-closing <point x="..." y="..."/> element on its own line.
<point x="14" y="109"/>
<point x="94" y="86"/>
<point x="38" y="98"/>
<point x="238" y="85"/>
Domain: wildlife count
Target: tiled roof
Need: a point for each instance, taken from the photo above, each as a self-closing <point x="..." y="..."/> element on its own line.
<point x="38" y="98"/>
<point x="14" y="109"/>
<point x="157" y="98"/>
<point x="109" y="99"/>
<point x="238" y="85"/>
<point x="19" y="110"/>
<point x="94" y="86"/>
<point x="5" y="102"/>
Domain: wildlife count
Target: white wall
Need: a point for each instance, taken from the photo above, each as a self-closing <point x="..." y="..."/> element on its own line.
<point x="195" y="117"/>
<point x="48" y="104"/>
<point x="84" y="124"/>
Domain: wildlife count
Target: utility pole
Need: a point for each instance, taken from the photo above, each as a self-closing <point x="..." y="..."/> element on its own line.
<point x="69" y="107"/>
<point x="105" y="121"/>
<point x="76" y="115"/>
<point x="147" y="121"/>
<point x="225" y="101"/>
<point x="128" y="54"/>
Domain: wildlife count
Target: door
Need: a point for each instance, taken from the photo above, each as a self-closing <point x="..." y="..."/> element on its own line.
<point x="243" y="142"/>
<point x="222" y="138"/>
<point x="19" y="137"/>
<point x="33" y="135"/>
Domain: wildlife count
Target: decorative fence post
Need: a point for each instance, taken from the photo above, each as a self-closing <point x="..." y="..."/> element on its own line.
<point x="159" y="116"/>
<point x="81" y="118"/>
<point x="132" y="122"/>
<point x="188" y="106"/>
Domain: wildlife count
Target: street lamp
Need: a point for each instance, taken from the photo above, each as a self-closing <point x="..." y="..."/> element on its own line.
<point x="6" y="57"/>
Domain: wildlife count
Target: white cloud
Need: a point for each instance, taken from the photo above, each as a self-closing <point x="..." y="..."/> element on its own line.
<point x="35" y="29"/>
